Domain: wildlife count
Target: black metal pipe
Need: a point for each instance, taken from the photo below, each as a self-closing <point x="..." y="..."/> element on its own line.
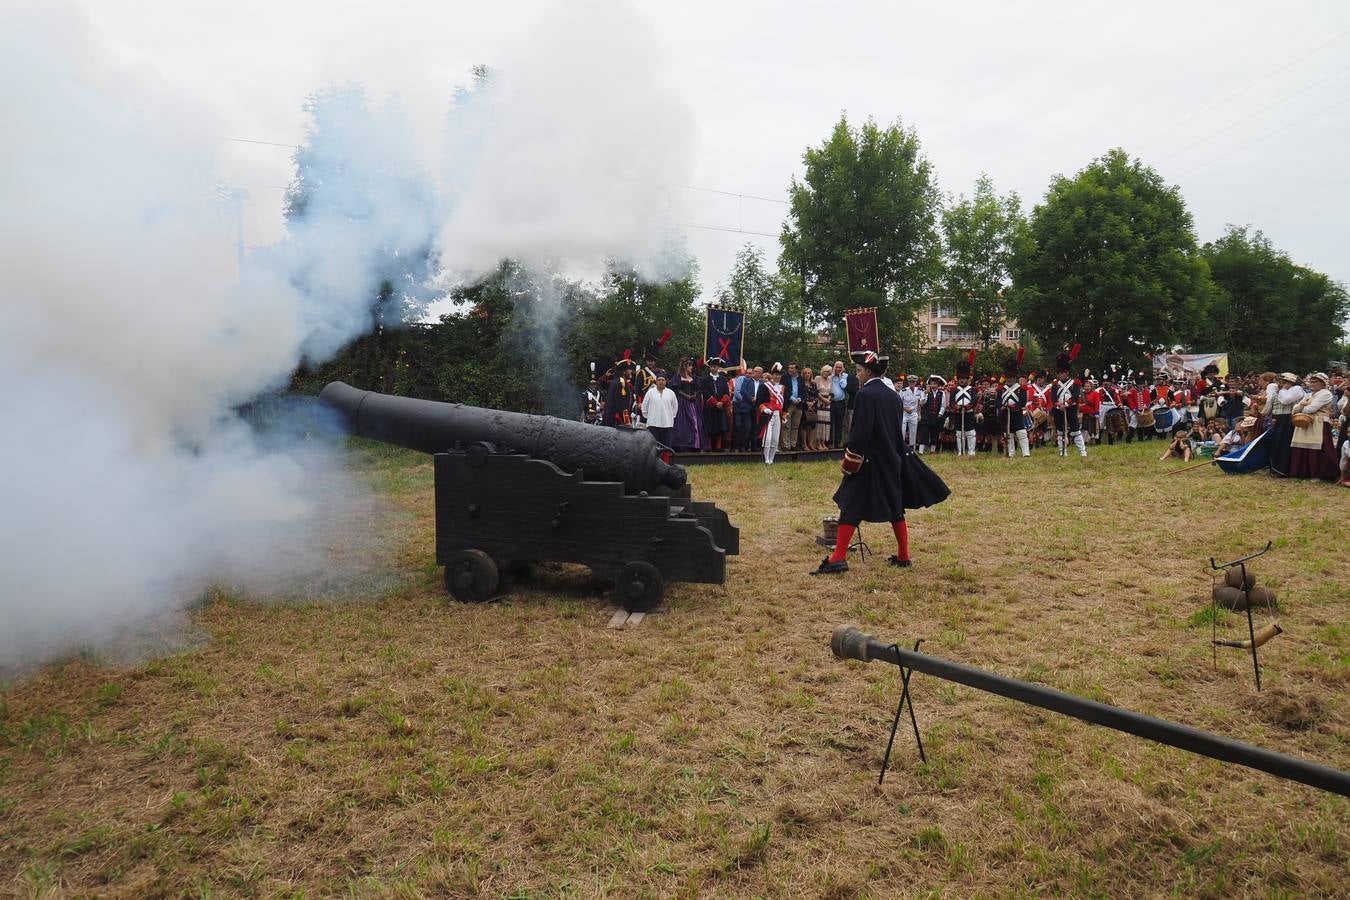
<point x="848" y="642"/>
<point x="602" y="454"/>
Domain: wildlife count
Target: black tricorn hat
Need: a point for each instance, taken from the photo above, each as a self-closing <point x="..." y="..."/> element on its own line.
<point x="870" y="360"/>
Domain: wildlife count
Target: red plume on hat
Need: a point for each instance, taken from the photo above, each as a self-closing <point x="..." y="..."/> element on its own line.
<point x="1021" y="354"/>
<point x="661" y="341"/>
<point x="970" y="358"/>
<point x="1073" y="354"/>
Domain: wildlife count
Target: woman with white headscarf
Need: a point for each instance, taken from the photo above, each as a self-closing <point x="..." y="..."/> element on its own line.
<point x="1313" y="455"/>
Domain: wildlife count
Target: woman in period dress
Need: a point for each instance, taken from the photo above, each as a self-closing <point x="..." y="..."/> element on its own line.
<point x="824" y="392"/>
<point x="1280" y="407"/>
<point x="688" y="434"/>
<point x="1313" y="455"/>
<point x="809" y="419"/>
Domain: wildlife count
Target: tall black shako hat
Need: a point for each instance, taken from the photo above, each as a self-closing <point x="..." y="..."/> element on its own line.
<point x="870" y="361"/>
<point x="964" y="366"/>
<point x="1064" y="361"/>
<point x="653" y="352"/>
<point x="1012" y="368"/>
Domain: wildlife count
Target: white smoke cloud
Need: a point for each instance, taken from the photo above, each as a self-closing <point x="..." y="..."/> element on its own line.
<point x="128" y="334"/>
<point x="571" y="151"/>
<point x="125" y="340"/>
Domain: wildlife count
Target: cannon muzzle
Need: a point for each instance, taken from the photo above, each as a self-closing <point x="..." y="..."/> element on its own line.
<point x="600" y="453"/>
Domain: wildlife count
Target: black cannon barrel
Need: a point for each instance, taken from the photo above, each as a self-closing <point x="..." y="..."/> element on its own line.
<point x="602" y="454"/>
<point x="848" y="642"/>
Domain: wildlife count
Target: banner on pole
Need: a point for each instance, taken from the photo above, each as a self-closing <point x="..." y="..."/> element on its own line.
<point x="861" y="325"/>
<point x="724" y="335"/>
<point x="1187" y="366"/>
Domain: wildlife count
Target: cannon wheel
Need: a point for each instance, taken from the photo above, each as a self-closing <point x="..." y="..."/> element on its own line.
<point x="471" y="576"/>
<point x="639" y="587"/>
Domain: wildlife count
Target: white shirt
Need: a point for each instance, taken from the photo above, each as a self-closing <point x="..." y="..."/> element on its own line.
<point x="1318" y="404"/>
<point x="1285" y="399"/>
<point x="911" y="398"/>
<point x="659" y="407"/>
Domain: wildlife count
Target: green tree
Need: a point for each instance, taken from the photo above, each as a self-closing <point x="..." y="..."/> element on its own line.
<point x="1271" y="313"/>
<point x="628" y="312"/>
<point x="773" y="311"/>
<point x="979" y="236"/>
<point x="1109" y="260"/>
<point x="361" y="218"/>
<point x="861" y="229"/>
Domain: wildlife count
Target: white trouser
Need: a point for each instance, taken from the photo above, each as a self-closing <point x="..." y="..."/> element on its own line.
<point x="1020" y="435"/>
<point x="965" y="443"/>
<point x="909" y="426"/>
<point x="771" y="435"/>
<point x="1077" y="442"/>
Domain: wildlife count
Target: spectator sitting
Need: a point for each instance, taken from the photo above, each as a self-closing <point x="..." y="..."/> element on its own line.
<point x="1180" y="445"/>
<point x="1239" y="436"/>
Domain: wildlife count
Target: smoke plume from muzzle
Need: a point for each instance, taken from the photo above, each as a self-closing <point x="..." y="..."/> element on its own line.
<point x="126" y="340"/>
<point x="129" y="336"/>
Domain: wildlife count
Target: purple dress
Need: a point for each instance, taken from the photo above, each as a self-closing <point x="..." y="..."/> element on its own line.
<point x="688" y="434"/>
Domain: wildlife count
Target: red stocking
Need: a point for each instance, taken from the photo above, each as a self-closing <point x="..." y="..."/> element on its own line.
<point x="841" y="542"/>
<point x="901" y="529"/>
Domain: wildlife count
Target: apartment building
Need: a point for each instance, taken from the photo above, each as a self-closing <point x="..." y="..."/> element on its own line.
<point x="942" y="328"/>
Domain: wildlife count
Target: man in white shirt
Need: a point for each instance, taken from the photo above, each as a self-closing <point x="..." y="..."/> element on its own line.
<point x="659" y="407"/>
<point x="911" y="398"/>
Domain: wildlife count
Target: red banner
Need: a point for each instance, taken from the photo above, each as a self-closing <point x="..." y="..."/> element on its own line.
<point x="861" y="325"/>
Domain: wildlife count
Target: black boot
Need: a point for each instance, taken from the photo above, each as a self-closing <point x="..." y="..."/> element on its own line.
<point x="831" y="568"/>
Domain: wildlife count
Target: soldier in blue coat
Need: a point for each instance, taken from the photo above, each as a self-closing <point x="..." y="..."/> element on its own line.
<point x="873" y="492"/>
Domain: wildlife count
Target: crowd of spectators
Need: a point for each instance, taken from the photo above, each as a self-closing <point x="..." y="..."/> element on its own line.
<point x="795" y="408"/>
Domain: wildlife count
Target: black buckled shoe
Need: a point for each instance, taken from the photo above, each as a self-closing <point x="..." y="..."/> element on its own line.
<point x="899" y="563"/>
<point x="831" y="568"/>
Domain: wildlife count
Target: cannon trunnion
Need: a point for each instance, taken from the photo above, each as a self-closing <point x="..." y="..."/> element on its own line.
<point x="513" y="489"/>
<point x="498" y="509"/>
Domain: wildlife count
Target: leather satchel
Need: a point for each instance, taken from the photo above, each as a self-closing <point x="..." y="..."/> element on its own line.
<point x="1300" y="420"/>
<point x="851" y="462"/>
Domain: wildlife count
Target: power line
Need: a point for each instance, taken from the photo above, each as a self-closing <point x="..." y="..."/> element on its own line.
<point x="264" y="143"/>
<point x="1244" y="90"/>
<point x="1232" y="125"/>
<point x="1271" y="134"/>
<point x="724" y="228"/>
<point x="691" y="187"/>
<point x="688" y="187"/>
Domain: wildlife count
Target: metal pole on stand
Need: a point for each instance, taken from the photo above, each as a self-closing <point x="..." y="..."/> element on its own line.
<point x="1251" y="628"/>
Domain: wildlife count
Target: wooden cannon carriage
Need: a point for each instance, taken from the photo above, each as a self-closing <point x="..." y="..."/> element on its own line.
<point x="513" y="489"/>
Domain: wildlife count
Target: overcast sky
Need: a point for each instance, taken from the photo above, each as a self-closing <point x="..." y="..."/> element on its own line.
<point x="1021" y="90"/>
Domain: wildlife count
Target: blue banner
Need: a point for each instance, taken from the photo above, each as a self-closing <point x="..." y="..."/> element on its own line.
<point x="724" y="335"/>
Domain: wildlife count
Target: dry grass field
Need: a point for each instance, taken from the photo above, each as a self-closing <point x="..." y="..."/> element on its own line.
<point x="386" y="742"/>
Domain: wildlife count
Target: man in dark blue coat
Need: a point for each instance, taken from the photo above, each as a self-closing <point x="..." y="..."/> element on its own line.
<point x="873" y="493"/>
